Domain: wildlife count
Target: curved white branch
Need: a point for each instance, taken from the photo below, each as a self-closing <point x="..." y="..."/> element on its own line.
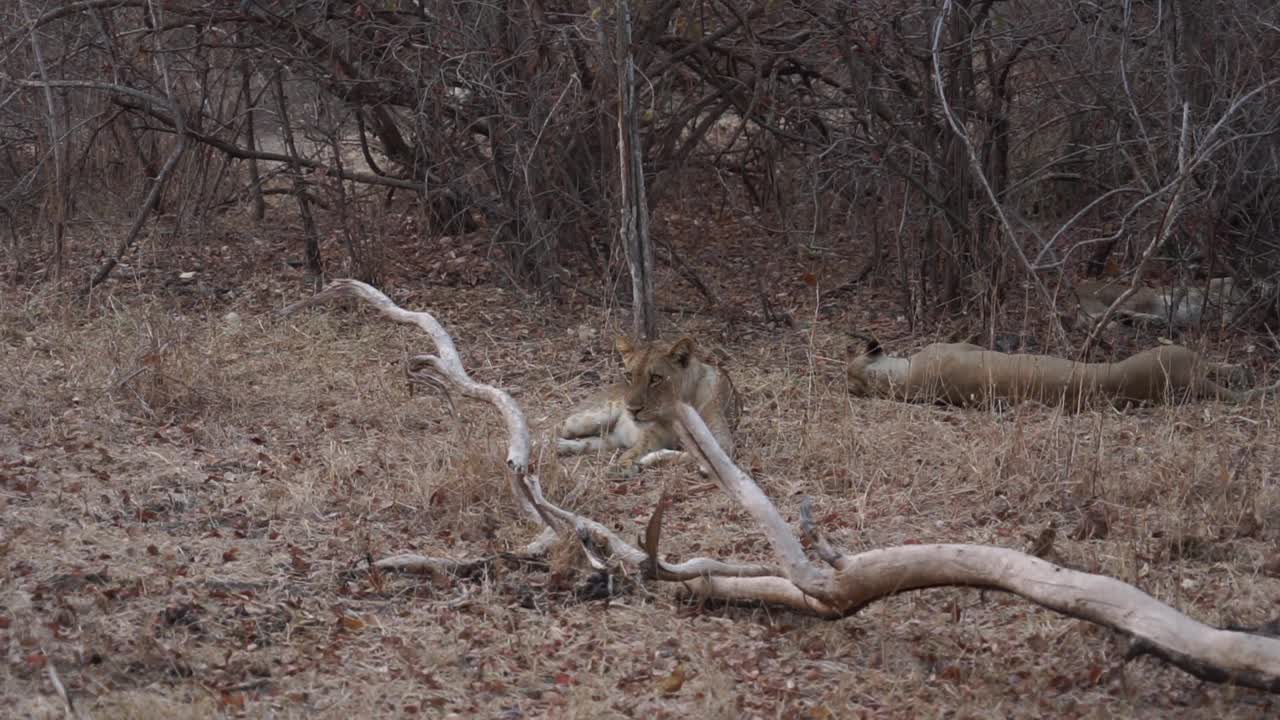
<point x="695" y="436"/>
<point x="524" y="486"/>
<point x="622" y="551"/>
<point x="448" y="362"/>
<point x="855" y="581"/>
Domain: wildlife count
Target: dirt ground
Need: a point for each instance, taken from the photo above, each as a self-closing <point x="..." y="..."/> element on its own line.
<point x="189" y="486"/>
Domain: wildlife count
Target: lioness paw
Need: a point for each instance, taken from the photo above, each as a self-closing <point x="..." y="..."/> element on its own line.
<point x="625" y="471"/>
<point x="660" y="456"/>
<point x="566" y="446"/>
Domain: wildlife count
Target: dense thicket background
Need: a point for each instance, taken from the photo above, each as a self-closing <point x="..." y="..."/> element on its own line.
<point x="966" y="148"/>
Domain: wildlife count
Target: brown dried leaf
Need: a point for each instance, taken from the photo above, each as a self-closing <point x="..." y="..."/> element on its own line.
<point x="1038" y="643"/>
<point x="1042" y="546"/>
<point x="1249" y="526"/>
<point x="1094" y="524"/>
<point x="818" y="712"/>
<point x="672" y="683"/>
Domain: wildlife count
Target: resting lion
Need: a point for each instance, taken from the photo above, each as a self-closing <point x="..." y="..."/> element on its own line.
<point x="968" y="375"/>
<point x="1179" y="307"/>
<point x="637" y="414"/>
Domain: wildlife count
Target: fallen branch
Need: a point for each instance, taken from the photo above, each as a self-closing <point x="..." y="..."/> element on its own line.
<point x="525" y="486"/>
<point x="853" y="582"/>
<point x="844" y="584"/>
<point x="448" y="363"/>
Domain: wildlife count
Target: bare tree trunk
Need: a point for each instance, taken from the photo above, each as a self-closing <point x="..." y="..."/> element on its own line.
<point x="251" y="142"/>
<point x="315" y="271"/>
<point x="148" y="162"/>
<point x="56" y="200"/>
<point x="19" y="256"/>
<point x="357" y="250"/>
<point x="634" y="229"/>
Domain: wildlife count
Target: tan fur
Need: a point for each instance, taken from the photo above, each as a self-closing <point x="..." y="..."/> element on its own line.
<point x="637" y="414"/>
<point x="967" y="375"/>
<point x="1221" y="300"/>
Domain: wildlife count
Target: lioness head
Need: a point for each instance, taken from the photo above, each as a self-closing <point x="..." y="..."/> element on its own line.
<point x="656" y="373"/>
<point x="863" y="378"/>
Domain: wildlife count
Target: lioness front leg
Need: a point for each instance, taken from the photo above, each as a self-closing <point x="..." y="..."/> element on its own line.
<point x="579" y="446"/>
<point x="602" y="425"/>
<point x="591" y="419"/>
<point x="653" y="446"/>
<point x="629" y="464"/>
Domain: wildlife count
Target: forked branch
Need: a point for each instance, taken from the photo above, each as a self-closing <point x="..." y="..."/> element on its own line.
<point x="854" y="581"/>
<point x="706" y="576"/>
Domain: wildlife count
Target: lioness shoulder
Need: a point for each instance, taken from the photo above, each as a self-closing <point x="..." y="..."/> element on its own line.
<point x="637" y="414"/>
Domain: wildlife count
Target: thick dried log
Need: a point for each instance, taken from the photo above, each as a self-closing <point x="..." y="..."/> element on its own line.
<point x="855" y="581"/>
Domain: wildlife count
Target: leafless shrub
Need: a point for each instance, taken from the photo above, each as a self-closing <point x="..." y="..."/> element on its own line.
<point x="986" y="148"/>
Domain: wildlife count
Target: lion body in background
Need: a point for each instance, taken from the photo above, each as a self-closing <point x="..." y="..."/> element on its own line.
<point x="968" y="375"/>
<point x="1220" y="300"/>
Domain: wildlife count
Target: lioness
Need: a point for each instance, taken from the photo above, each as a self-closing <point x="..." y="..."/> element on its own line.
<point x="637" y="414"/>
<point x="966" y="375"/>
<point x="1179" y="307"/>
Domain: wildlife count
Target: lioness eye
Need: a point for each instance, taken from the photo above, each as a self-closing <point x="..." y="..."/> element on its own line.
<point x="655" y="379"/>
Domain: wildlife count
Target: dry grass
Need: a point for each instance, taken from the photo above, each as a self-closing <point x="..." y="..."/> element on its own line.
<point x="181" y="493"/>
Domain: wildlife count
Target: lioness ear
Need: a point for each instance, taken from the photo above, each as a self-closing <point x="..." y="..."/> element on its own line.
<point x="624" y="345"/>
<point x="682" y="351"/>
<point x="873" y="345"/>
